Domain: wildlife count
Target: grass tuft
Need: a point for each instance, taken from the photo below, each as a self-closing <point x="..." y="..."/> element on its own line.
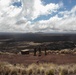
<point x="37" y="69"/>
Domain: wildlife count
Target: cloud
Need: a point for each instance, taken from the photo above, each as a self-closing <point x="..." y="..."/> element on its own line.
<point x="34" y="8"/>
<point x="13" y="18"/>
<point x="40" y="9"/>
<point x="66" y="23"/>
<point x="19" y="19"/>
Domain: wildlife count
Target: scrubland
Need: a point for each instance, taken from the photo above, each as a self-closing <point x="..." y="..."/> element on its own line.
<point x="37" y="69"/>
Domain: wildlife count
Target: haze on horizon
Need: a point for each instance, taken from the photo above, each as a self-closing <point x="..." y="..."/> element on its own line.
<point x="47" y="16"/>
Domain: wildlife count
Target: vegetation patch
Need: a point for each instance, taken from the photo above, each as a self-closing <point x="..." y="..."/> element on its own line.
<point x="37" y="69"/>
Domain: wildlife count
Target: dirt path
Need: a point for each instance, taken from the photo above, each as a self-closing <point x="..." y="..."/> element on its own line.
<point x="28" y="59"/>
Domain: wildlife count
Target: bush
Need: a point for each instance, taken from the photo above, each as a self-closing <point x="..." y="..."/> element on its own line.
<point x="63" y="72"/>
<point x="37" y="69"/>
<point x="50" y="72"/>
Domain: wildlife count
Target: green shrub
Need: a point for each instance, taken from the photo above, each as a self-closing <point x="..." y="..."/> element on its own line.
<point x="50" y="72"/>
<point x="63" y="72"/>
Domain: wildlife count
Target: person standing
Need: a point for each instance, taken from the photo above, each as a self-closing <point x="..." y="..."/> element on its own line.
<point x="45" y="51"/>
<point x="39" y="51"/>
<point x="34" y="51"/>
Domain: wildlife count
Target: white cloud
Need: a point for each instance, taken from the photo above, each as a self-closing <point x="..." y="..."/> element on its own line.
<point x="40" y="9"/>
<point x="17" y="19"/>
<point x="47" y="25"/>
<point x="14" y="18"/>
<point x="4" y="3"/>
<point x="60" y="24"/>
<point x="34" y="8"/>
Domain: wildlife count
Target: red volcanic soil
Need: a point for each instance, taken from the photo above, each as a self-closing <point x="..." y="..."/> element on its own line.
<point x="28" y="59"/>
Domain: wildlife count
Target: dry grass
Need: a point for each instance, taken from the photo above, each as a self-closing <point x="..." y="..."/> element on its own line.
<point x="1" y="53"/>
<point x="63" y="51"/>
<point x="37" y="69"/>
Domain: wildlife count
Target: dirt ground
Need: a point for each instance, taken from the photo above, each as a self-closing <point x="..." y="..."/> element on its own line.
<point x="28" y="59"/>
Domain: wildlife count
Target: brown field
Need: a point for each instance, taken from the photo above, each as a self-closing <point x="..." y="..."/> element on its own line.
<point x="29" y="59"/>
<point x="51" y="64"/>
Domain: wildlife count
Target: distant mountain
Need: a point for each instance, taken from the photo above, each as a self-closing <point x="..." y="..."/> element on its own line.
<point x="38" y="37"/>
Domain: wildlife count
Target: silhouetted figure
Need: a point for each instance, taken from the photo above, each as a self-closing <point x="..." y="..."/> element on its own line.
<point x="45" y="51"/>
<point x="39" y="51"/>
<point x="34" y="51"/>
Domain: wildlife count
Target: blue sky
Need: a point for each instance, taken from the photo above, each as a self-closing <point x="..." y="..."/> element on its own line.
<point x="17" y="4"/>
<point x="38" y="16"/>
<point x="68" y="5"/>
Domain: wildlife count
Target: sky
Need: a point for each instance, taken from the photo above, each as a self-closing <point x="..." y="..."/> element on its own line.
<point x="38" y="16"/>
